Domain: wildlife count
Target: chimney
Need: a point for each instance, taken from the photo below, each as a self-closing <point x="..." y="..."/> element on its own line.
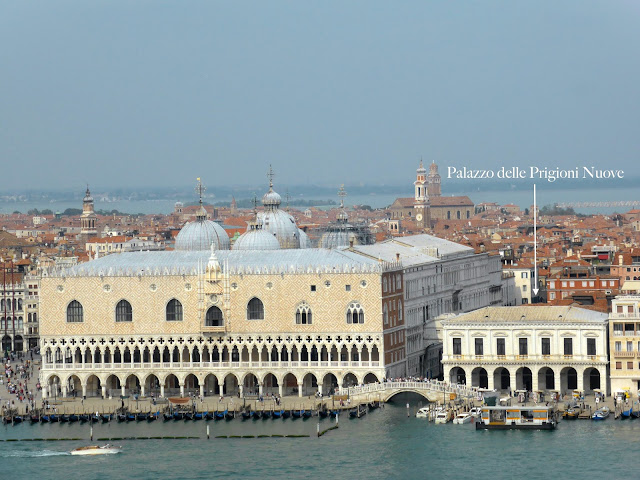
<point x="620" y="260"/>
<point x="397" y="257"/>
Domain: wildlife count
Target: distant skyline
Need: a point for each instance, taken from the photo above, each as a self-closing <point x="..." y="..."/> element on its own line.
<point x="143" y="94"/>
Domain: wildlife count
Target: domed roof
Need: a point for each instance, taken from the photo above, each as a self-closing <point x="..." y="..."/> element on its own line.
<point x="282" y="225"/>
<point x="338" y="238"/>
<point x="271" y="198"/>
<point x="304" y="239"/>
<point x="200" y="234"/>
<point x="256" y="239"/>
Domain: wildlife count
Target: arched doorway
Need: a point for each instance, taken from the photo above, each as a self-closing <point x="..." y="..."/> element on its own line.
<point x="371" y="378"/>
<point x="113" y="386"/>
<point x="524" y="379"/>
<point x="6" y="344"/>
<point x="546" y="379"/>
<point x="457" y="375"/>
<point x="501" y="378"/>
<point x="211" y="386"/>
<point x="309" y="384"/>
<point x="18" y="345"/>
<point x="290" y="384"/>
<point x="132" y="385"/>
<point x="171" y="386"/>
<point x="479" y="378"/>
<point x="329" y="384"/>
<point x="94" y="386"/>
<point x="152" y="385"/>
<point x="568" y="379"/>
<point x="270" y="384"/>
<point x="231" y="384"/>
<point x="251" y="384"/>
<point x="349" y="380"/>
<point x="591" y="380"/>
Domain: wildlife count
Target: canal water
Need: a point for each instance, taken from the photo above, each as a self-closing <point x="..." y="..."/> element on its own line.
<point x="383" y="444"/>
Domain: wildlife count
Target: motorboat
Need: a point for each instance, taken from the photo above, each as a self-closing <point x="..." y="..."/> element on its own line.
<point x="463" y="418"/>
<point x="442" y="416"/>
<point x="476" y="412"/>
<point x="423" y="412"/>
<point x="96" y="450"/>
<point x="601" y="414"/>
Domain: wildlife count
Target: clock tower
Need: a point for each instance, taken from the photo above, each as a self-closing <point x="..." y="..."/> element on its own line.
<point x="421" y="202"/>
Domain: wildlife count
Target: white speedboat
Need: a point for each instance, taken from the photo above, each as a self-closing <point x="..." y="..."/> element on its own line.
<point x="442" y="416"/>
<point x="476" y="412"/>
<point x="461" y="419"/>
<point x="423" y="413"/>
<point x="96" y="450"/>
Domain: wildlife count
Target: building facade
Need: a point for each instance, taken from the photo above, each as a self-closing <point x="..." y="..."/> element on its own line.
<point x="527" y="348"/>
<point x="280" y="321"/>
<point x="624" y="343"/>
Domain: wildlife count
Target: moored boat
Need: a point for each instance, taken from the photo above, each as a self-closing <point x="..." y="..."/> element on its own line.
<point x="105" y="417"/>
<point x="423" y="412"/>
<point x="73" y="418"/>
<point x="463" y="418"/>
<point x="517" y="417"/>
<point x="256" y="415"/>
<point x="601" y="414"/>
<point x="95" y="450"/>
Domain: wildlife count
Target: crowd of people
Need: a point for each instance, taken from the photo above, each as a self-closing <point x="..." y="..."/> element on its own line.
<point x="17" y="373"/>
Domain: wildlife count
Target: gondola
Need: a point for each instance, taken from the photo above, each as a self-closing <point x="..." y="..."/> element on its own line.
<point x="306" y="413"/>
<point x="297" y="413"/>
<point x="167" y="416"/>
<point x="34" y="419"/>
<point x="219" y="415"/>
<point x="256" y="415"/>
<point x="95" y="418"/>
<point x="84" y="418"/>
<point x="178" y="416"/>
<point x="64" y="418"/>
<point x="131" y="417"/>
<point x="374" y="405"/>
<point x="277" y="413"/>
<point x="73" y="418"/>
<point x="6" y="419"/>
<point x="122" y="417"/>
<point x="246" y="415"/>
<point x="44" y="419"/>
<point x="187" y="416"/>
<point x="142" y="417"/>
<point x="53" y="418"/>
<point x="286" y="413"/>
<point x="153" y="416"/>
<point x="323" y="413"/>
<point x="209" y="416"/>
<point x="200" y="416"/>
<point x="230" y="415"/>
<point x="105" y="418"/>
<point x="17" y="419"/>
<point x="266" y="414"/>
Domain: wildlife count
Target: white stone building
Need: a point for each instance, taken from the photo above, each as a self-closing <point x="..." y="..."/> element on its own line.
<point x="542" y="348"/>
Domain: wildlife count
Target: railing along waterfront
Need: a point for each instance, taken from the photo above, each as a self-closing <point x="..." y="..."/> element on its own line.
<point x="429" y="385"/>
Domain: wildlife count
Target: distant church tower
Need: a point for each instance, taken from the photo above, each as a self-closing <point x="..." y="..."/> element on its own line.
<point x="433" y="187"/>
<point x="421" y="203"/>
<point x="88" y="218"/>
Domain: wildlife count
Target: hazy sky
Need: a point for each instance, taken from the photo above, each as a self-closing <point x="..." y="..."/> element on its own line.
<point x="141" y="93"/>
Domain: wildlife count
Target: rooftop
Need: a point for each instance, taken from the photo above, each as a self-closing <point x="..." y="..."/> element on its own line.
<point x="530" y="314"/>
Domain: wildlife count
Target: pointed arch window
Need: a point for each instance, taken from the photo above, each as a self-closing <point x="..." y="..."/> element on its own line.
<point x="75" y="312"/>
<point x="214" y="318"/>
<point x="303" y="314"/>
<point x="174" y="310"/>
<point x="124" y="313"/>
<point x="255" y="309"/>
<point x="355" y="313"/>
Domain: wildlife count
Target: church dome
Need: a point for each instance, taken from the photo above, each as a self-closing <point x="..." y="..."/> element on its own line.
<point x="271" y="198"/>
<point x="282" y="225"/>
<point x="338" y="238"/>
<point x="305" y="242"/>
<point x="256" y="239"/>
<point x="200" y="234"/>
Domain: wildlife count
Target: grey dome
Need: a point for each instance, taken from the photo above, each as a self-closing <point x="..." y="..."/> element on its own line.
<point x="256" y="239"/>
<point x="338" y="238"/>
<point x="304" y="239"/>
<point x="271" y="198"/>
<point x="200" y="234"/>
<point x="282" y="225"/>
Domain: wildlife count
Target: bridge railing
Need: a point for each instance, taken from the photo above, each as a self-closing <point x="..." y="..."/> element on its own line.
<point x="430" y="385"/>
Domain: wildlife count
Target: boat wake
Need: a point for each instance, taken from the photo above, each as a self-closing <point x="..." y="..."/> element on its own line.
<point x="32" y="454"/>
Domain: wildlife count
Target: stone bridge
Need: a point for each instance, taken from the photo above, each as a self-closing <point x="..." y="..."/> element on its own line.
<point x="433" y="390"/>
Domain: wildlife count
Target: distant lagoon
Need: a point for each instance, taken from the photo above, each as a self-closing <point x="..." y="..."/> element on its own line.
<point x="518" y="196"/>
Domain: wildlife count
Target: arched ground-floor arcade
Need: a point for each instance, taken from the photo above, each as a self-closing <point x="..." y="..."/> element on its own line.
<point x="532" y="377"/>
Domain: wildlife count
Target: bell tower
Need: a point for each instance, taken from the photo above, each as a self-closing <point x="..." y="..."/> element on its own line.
<point x="433" y="186"/>
<point x="421" y="206"/>
<point x="88" y="218"/>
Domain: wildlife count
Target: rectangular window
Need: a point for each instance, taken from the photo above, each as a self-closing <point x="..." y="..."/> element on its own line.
<point x="552" y="284"/>
<point x="457" y="346"/>
<point x="500" y="346"/>
<point x="591" y="283"/>
<point x="524" y="288"/>
<point x="591" y="346"/>
<point x="618" y="365"/>
<point x="629" y="365"/>
<point x="313" y="288"/>
<point x="479" y="346"/>
<point x="546" y="346"/>
<point x="617" y="329"/>
<point x="619" y="309"/>
<point x="522" y="346"/>
<point x="564" y="284"/>
<point x="524" y="275"/>
<point x="347" y="288"/>
<point x="572" y="284"/>
<point x="629" y="346"/>
<point x="568" y="346"/>
<point x="618" y="347"/>
<point x="584" y="283"/>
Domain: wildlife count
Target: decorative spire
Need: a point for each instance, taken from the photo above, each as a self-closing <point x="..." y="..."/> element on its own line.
<point x="342" y="216"/>
<point x="270" y="175"/>
<point x="287" y="197"/>
<point x="201" y="215"/>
